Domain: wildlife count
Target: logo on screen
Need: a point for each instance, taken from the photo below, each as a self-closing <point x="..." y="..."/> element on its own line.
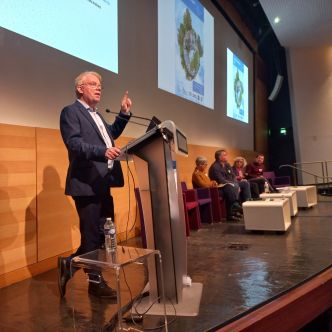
<point x="191" y="49"/>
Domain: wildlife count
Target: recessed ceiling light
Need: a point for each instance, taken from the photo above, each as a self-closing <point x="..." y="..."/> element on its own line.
<point x="276" y="19"/>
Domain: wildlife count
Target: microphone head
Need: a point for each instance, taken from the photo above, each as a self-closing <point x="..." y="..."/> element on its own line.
<point x="107" y="110"/>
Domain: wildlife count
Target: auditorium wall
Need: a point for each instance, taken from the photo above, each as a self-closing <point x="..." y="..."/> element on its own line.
<point x="310" y="75"/>
<point x="38" y="222"/>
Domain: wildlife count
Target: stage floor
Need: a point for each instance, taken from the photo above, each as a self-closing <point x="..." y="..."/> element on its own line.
<point x="239" y="270"/>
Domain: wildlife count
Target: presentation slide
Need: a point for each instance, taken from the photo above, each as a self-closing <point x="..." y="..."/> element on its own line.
<point x="87" y="29"/>
<point x="237" y="88"/>
<point x="169" y="54"/>
<point x="186" y="50"/>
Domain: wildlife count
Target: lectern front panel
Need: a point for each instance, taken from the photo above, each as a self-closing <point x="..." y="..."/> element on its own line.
<point x="168" y="228"/>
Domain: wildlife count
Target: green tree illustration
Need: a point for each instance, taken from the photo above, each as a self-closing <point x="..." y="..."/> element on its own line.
<point x="187" y="35"/>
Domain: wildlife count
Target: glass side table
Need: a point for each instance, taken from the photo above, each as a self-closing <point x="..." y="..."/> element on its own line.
<point x="103" y="260"/>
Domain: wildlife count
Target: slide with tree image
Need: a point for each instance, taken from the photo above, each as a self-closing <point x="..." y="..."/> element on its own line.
<point x="237" y="88"/>
<point x="190" y="72"/>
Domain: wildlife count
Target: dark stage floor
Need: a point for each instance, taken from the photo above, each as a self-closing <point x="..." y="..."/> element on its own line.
<point x="238" y="270"/>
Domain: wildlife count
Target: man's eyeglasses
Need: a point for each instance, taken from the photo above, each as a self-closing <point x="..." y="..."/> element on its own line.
<point x="94" y="85"/>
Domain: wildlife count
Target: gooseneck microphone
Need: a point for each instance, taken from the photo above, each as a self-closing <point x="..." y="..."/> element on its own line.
<point x="129" y="120"/>
<point x="153" y="122"/>
<point x="133" y="116"/>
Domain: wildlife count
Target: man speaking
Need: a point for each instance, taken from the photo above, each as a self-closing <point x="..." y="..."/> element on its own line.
<point x="92" y="170"/>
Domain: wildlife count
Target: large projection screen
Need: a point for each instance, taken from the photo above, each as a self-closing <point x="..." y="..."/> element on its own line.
<point x="37" y="80"/>
<point x="186" y="57"/>
<point x="53" y="24"/>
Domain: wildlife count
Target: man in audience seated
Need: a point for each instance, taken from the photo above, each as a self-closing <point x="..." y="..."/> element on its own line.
<point x="239" y="168"/>
<point x="221" y="172"/>
<point x="255" y="173"/>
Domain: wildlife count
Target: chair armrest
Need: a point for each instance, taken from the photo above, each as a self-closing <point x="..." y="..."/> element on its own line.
<point x="203" y="193"/>
<point x="285" y="179"/>
<point x="191" y="195"/>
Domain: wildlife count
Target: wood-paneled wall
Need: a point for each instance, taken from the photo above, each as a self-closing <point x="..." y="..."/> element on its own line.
<point x="38" y="222"/>
<point x="18" y="227"/>
<point x="58" y="229"/>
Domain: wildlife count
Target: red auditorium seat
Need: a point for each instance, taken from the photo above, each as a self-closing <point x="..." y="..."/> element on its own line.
<point x="203" y="197"/>
<point x="218" y="205"/>
<point x="191" y="212"/>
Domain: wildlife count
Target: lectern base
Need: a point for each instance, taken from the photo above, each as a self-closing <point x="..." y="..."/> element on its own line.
<point x="189" y="306"/>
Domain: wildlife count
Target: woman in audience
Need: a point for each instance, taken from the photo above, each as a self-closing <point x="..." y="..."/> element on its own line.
<point x="200" y="178"/>
<point x="239" y="168"/>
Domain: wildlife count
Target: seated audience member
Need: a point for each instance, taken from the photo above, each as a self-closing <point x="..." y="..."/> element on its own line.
<point x="221" y="172"/>
<point x="255" y="171"/>
<point x="200" y="178"/>
<point x="239" y="170"/>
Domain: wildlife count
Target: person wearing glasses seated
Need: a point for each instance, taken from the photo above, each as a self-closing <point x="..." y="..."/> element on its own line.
<point x="239" y="168"/>
<point x="200" y="178"/>
<point x="92" y="171"/>
<point x="233" y="190"/>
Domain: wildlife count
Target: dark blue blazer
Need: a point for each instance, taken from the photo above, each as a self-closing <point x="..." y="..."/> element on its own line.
<point x="88" y="174"/>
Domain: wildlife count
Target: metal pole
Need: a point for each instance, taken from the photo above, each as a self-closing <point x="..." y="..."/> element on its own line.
<point x="163" y="299"/>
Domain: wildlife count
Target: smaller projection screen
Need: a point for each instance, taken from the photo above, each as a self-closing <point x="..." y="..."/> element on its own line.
<point x="237" y="88"/>
<point x="186" y="50"/>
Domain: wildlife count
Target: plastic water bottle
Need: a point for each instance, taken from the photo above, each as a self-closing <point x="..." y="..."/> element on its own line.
<point x="266" y="187"/>
<point x="110" y="235"/>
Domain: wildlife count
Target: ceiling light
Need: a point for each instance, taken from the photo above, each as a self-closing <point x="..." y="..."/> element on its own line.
<point x="276" y="20"/>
